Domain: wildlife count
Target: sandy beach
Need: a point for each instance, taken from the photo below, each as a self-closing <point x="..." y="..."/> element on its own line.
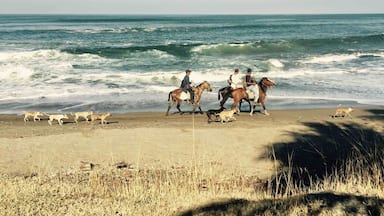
<point x="153" y="140"/>
<point x="299" y="160"/>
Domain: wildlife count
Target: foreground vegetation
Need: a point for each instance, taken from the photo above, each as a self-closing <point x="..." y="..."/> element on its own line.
<point x="179" y="191"/>
<point x="338" y="170"/>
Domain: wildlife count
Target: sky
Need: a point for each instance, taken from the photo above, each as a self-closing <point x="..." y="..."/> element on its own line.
<point x="190" y="6"/>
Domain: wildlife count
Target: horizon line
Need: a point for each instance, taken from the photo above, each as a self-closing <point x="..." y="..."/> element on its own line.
<point x="194" y="14"/>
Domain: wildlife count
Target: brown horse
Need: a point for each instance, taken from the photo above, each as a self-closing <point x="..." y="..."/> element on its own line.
<point x="240" y="94"/>
<point x="178" y="96"/>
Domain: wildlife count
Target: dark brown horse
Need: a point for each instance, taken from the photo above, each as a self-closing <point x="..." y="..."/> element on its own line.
<point x="178" y="96"/>
<point x="240" y="94"/>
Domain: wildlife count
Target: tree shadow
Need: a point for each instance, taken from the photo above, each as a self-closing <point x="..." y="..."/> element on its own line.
<point x="323" y="149"/>
<point x="316" y="204"/>
<point x="378" y="114"/>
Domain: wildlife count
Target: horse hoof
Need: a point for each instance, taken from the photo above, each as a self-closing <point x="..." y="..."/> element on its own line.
<point x="266" y="113"/>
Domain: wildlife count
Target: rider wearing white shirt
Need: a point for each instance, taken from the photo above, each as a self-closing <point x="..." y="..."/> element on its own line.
<point x="235" y="80"/>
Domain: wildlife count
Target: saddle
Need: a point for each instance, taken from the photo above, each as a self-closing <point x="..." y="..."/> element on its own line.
<point x="185" y="95"/>
<point x="251" y="95"/>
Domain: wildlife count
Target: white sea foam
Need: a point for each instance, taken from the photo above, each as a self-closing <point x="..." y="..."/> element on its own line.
<point x="275" y="63"/>
<point x="16" y="73"/>
<point x="43" y="65"/>
<point x="330" y="58"/>
<point x="203" y="48"/>
<point x="157" y="54"/>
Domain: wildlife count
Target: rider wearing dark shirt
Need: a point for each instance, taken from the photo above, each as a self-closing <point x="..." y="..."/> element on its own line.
<point x="251" y="82"/>
<point x="186" y="85"/>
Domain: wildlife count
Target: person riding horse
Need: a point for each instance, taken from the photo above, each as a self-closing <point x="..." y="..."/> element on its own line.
<point x="250" y="82"/>
<point x="177" y="96"/>
<point x="240" y="94"/>
<point x="186" y="85"/>
<point x="235" y="80"/>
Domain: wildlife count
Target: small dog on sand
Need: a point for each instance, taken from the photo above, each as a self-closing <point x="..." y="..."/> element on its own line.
<point x="84" y="115"/>
<point x="343" y="112"/>
<point x="34" y="114"/>
<point x="58" y="117"/>
<point x="102" y="117"/>
<point x="227" y="115"/>
<point x="215" y="113"/>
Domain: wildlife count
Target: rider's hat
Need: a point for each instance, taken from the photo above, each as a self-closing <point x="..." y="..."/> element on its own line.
<point x="249" y="70"/>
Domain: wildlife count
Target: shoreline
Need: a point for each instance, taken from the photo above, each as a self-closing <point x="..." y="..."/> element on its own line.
<point x="207" y="102"/>
<point x="155" y="141"/>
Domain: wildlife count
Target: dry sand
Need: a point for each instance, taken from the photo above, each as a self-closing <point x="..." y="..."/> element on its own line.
<point x="153" y="140"/>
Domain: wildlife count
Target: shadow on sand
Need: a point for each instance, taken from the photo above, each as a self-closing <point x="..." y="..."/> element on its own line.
<point x="378" y="114"/>
<point x="188" y="112"/>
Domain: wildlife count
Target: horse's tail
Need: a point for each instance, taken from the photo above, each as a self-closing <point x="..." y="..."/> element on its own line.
<point x="169" y="95"/>
<point x="219" y="92"/>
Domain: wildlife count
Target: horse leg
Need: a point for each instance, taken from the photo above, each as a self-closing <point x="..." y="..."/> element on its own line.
<point x="250" y="107"/>
<point x="261" y="101"/>
<point x="170" y="106"/>
<point x="265" y="110"/>
<point x="194" y="109"/>
<point x="178" y="106"/>
<point x="235" y="103"/>
<point x="201" y="111"/>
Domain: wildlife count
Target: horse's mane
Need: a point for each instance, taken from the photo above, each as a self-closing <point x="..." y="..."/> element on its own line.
<point x="201" y="84"/>
<point x="261" y="85"/>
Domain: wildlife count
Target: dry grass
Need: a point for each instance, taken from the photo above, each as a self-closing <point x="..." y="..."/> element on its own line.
<point x="127" y="191"/>
<point x="110" y="191"/>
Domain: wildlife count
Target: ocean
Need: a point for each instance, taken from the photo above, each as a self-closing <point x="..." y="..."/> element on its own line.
<point x="122" y="63"/>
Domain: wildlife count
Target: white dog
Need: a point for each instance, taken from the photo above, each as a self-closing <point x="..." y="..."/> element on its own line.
<point x="227" y="115"/>
<point x="58" y="117"/>
<point x="35" y="115"/>
<point x="83" y="115"/>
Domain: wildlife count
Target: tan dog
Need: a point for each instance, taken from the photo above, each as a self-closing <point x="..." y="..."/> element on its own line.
<point x="102" y="117"/>
<point x="84" y="115"/>
<point x="342" y="112"/>
<point x="215" y="113"/>
<point x="58" y="117"/>
<point x="227" y="115"/>
<point x="35" y="115"/>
